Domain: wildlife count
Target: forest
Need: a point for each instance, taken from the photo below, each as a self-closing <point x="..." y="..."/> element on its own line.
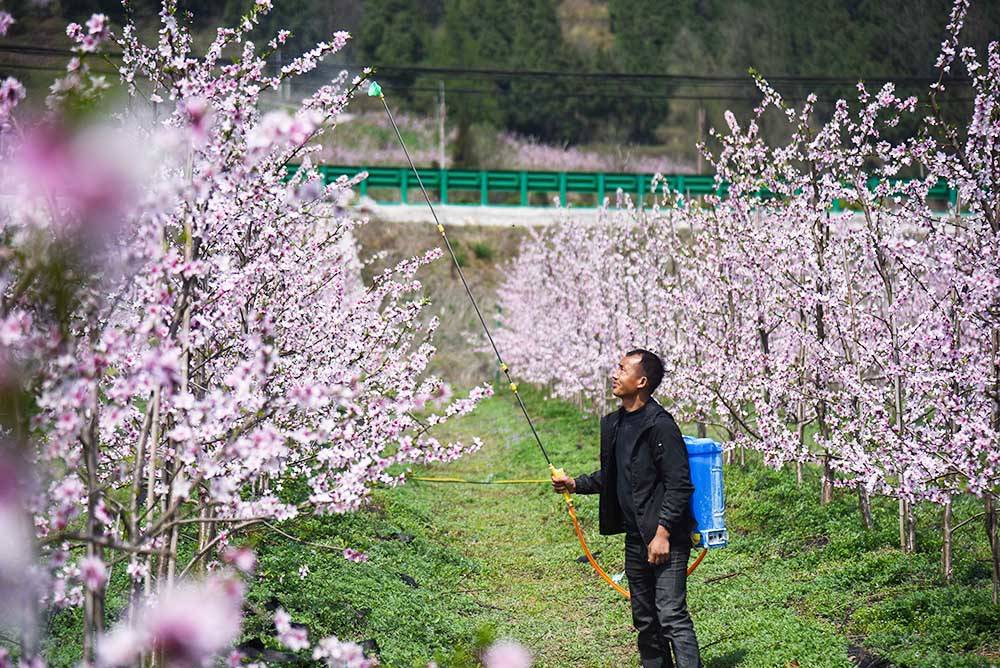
<point x="591" y="72"/>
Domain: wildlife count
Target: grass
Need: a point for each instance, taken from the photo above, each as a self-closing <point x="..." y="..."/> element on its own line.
<point x="454" y="566"/>
<point x="482" y="250"/>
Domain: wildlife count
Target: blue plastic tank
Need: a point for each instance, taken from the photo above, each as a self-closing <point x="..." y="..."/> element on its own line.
<point x="708" y="503"/>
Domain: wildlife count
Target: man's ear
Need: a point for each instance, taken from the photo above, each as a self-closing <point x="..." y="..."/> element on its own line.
<point x="643" y="383"/>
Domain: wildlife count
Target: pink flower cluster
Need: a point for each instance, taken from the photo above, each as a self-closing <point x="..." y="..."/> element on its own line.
<point x="189" y="624"/>
<point x="519" y="152"/>
<point x="89" y="37"/>
<point x="11" y="90"/>
<point x="294" y="638"/>
<point x="355" y="556"/>
<point x="506" y="654"/>
<point x="338" y="654"/>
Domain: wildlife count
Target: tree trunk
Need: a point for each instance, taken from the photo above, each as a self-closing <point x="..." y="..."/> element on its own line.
<point x="93" y="601"/>
<point x="993" y="535"/>
<point x="826" y="485"/>
<point x="991" y="503"/>
<point x="902" y="524"/>
<point x="154" y="438"/>
<point x="865" y="506"/>
<point x="800" y="416"/>
<point x="823" y="239"/>
<point x="946" y="545"/>
<point x="907" y="527"/>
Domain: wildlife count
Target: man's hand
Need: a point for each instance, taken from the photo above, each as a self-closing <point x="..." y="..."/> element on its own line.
<point x="563" y="484"/>
<point x="658" y="549"/>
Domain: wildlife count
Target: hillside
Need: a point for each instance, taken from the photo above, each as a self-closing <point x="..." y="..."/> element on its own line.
<point x="421" y="47"/>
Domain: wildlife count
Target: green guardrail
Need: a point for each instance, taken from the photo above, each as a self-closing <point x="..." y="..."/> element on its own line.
<point x="444" y="182"/>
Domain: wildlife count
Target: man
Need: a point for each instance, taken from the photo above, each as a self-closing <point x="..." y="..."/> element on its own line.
<point x="645" y="487"/>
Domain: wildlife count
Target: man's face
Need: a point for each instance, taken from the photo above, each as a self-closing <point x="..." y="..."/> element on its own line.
<point x="628" y="379"/>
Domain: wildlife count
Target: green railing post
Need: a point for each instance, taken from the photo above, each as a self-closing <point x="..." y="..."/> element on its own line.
<point x="600" y="189"/>
<point x="484" y="194"/>
<point x="444" y="186"/>
<point x="562" y="188"/>
<point x="403" y="183"/>
<point x="523" y="176"/>
<point x="364" y="184"/>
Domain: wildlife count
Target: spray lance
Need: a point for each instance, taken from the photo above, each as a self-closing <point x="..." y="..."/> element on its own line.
<point x="375" y="90"/>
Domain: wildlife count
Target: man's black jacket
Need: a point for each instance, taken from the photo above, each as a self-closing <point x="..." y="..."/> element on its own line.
<point x="661" y="478"/>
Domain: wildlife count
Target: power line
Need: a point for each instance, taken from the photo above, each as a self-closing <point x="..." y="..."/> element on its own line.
<point x="651" y="76"/>
<point x="605" y="94"/>
<point x="34" y="50"/>
<point x="48" y="68"/>
<point x="693" y="79"/>
<point x="492" y="92"/>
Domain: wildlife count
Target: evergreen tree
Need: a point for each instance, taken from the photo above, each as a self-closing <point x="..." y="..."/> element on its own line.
<point x="394" y="32"/>
<point x="539" y="107"/>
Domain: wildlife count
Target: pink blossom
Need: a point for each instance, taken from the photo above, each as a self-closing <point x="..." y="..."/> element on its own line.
<point x="96" y="33"/>
<point x="91" y="186"/>
<point x="189" y="624"/>
<point x="93" y="572"/>
<point x="137" y="570"/>
<point x="507" y="654"/>
<point x="355" y="555"/>
<point x="6" y="21"/>
<point x="294" y="638"/>
<point x="11" y="93"/>
<point x="242" y="558"/>
<point x="339" y="654"/>
<point x="14" y="327"/>
<point x="199" y="115"/>
<point x="97" y="24"/>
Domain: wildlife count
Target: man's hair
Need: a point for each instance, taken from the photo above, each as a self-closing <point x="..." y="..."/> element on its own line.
<point x="652" y="367"/>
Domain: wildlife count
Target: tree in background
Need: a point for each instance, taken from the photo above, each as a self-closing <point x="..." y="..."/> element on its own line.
<point x="395" y="32"/>
<point x="815" y="39"/>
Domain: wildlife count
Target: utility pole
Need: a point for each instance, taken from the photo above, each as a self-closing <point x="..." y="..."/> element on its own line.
<point x="701" y="131"/>
<point x="441" y="117"/>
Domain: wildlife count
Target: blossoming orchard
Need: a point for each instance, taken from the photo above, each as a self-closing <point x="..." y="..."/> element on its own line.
<point x="864" y="341"/>
<point x="195" y="352"/>
<point x="173" y="354"/>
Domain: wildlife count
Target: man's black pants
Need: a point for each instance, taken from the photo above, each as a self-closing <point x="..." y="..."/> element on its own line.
<point x="659" y="606"/>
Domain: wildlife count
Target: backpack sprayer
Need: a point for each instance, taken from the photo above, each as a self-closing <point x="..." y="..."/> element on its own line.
<point x="704" y="455"/>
